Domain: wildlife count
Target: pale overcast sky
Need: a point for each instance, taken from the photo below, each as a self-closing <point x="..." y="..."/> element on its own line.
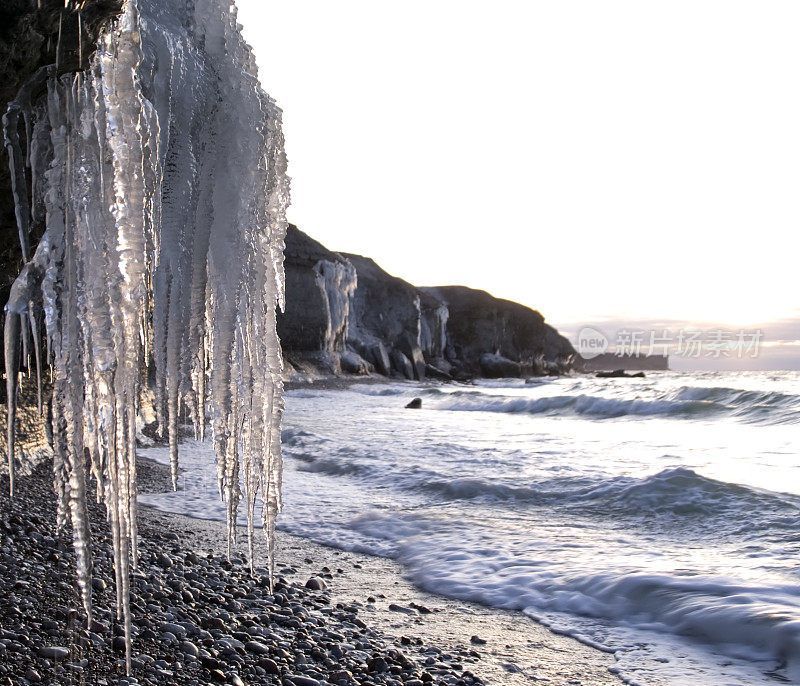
<point x="595" y="160"/>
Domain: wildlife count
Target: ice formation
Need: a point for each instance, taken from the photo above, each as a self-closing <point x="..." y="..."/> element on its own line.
<point x="162" y="177"/>
<point x="337" y="283"/>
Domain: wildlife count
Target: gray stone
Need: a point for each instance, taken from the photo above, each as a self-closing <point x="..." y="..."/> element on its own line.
<point x="172" y="628"/>
<point x="54" y="652"/>
<point x="300" y="680"/>
<point x="256" y="647"/>
<point x="189" y="648"/>
<point x="316" y="584"/>
<point x="353" y="363"/>
<point x="269" y="666"/>
<point x="497" y="367"/>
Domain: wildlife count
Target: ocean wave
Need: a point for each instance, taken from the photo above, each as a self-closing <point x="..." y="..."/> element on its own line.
<point x="758" y="406"/>
<point x="446" y="393"/>
<point x="689" y="402"/>
<point x="747" y="621"/>
<point x="331" y="466"/>
<point x="473" y="488"/>
<point x="674" y="492"/>
<point x="589" y="405"/>
<point x="293" y="438"/>
<point x="681" y="491"/>
<point x="744" y="620"/>
<point x="378" y="391"/>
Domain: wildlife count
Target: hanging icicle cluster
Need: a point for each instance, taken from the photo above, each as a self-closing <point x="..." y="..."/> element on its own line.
<point x="161" y="176"/>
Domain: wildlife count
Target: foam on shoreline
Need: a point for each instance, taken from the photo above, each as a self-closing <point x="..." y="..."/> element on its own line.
<point x="517" y="648"/>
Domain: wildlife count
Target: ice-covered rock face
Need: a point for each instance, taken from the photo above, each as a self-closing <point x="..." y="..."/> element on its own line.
<point x="337" y="283"/>
<point x="163" y="177"/>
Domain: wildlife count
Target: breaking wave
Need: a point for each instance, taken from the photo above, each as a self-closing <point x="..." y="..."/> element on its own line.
<point x="589" y="405"/>
<point x="687" y="402"/>
<point x="676" y="491"/>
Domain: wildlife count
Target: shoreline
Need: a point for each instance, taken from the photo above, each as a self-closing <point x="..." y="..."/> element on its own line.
<point x="192" y="609"/>
<point x="334" y="618"/>
<point x="501" y="647"/>
<point x="198" y="618"/>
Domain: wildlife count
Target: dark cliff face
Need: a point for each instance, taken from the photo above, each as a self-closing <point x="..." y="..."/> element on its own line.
<point x="480" y="323"/>
<point x="386" y="310"/>
<point x="305" y="326"/>
<point x="29" y="40"/>
<point x="485" y="334"/>
<point x="345" y="313"/>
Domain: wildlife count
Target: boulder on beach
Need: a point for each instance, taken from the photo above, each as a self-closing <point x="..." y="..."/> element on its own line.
<point x="499" y="367"/>
<point x="415" y="404"/>
<point x="353" y="363"/>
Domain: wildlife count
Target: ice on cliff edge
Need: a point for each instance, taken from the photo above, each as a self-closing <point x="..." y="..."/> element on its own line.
<point x="162" y="176"/>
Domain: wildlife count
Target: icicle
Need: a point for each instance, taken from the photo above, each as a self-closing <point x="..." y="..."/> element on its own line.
<point x="11" y="351"/>
<point x="58" y="41"/>
<point x="19" y="186"/>
<point x="80" y="39"/>
<point x="38" y="355"/>
<point x="165" y="221"/>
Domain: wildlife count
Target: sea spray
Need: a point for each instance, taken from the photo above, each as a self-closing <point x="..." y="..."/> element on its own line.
<point x="164" y="182"/>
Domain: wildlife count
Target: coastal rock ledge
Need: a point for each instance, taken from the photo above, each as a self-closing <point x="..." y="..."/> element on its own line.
<point x="346" y="315"/>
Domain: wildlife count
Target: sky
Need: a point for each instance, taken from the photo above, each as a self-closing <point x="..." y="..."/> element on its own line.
<point x="608" y="163"/>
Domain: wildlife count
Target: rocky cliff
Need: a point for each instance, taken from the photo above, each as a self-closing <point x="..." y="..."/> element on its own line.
<point x="344" y="313"/>
<point x="320" y="285"/>
<point x="493" y="337"/>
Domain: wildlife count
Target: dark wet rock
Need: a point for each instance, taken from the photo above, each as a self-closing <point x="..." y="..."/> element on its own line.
<point x="300" y="680"/>
<point x="256" y="647"/>
<point x="619" y="374"/>
<point x="499" y="367"/>
<point x="189" y="648"/>
<point x="316" y="584"/>
<point x="385" y="309"/>
<point x="421" y="608"/>
<point x="174" y="629"/>
<point x="345" y="314"/>
<point x="269" y="666"/>
<point x="434" y="372"/>
<point x="353" y="363"/>
<point x="477" y="640"/>
<point x="309" y="324"/>
<point x="54" y="652"/>
<point x="378" y="664"/>
<point x="415" y="404"/>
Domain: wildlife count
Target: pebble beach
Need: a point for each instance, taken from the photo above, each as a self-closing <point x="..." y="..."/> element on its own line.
<point x="332" y="617"/>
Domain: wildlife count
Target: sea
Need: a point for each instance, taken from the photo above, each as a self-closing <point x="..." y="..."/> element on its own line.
<point x="657" y="519"/>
